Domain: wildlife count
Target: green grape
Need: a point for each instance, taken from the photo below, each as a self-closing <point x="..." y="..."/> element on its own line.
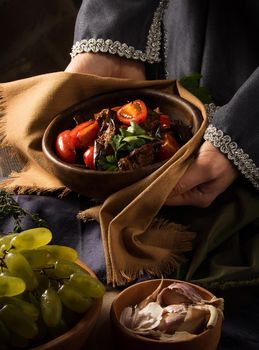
<point x="41" y="337"/>
<point x="18" y="322"/>
<point x="19" y="267"/>
<point x="27" y="308"/>
<point x="60" y="252"/>
<point x="65" y="268"/>
<point x="10" y="286"/>
<point x="88" y="285"/>
<point x="51" y="307"/>
<point x="4" y="334"/>
<point x="5" y="243"/>
<point x="43" y="282"/>
<point x="73" y="299"/>
<point x="38" y="258"/>
<point x="33" y="238"/>
<point x="31" y="298"/>
<point x="6" y="239"/>
<point x="5" y="272"/>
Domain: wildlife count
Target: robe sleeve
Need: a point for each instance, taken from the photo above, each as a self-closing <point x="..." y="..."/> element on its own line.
<point x="234" y="129"/>
<point x="129" y="28"/>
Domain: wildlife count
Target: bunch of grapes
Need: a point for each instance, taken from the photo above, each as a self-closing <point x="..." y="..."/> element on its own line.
<point x="43" y="291"/>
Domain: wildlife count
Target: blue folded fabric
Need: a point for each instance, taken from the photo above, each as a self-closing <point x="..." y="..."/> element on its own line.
<point x="240" y="327"/>
<point x="60" y="215"/>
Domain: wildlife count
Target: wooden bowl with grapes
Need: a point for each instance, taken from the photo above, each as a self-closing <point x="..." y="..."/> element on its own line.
<point x="49" y="299"/>
<point x="76" y="337"/>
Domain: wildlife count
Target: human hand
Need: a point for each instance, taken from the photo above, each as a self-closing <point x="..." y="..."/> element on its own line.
<point x="106" y="65"/>
<point x="208" y="176"/>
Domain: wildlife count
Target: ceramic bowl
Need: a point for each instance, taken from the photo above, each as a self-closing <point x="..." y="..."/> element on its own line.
<point x="127" y="340"/>
<point x="76" y="337"/>
<point x="100" y="184"/>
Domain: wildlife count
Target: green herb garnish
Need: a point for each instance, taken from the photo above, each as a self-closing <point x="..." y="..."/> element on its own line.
<point x="126" y="141"/>
<point x="129" y="139"/>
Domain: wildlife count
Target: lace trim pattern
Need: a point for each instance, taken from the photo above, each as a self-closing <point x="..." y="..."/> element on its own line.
<point x="237" y="155"/>
<point x="211" y="109"/>
<point x="153" y="47"/>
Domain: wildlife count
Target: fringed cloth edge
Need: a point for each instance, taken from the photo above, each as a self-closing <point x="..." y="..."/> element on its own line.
<point x="7" y="185"/>
<point x="182" y="240"/>
<point x="3" y="141"/>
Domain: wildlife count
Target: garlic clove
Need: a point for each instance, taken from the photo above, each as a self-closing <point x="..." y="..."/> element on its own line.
<point x="178" y="293"/>
<point x="171" y="322"/>
<point x="152" y="297"/>
<point x="213" y="314"/>
<point x="194" y="321"/>
<point x="175" y="308"/>
<point x="142" y="319"/>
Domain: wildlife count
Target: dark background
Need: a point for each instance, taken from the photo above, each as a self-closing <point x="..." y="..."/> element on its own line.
<point x="36" y="36"/>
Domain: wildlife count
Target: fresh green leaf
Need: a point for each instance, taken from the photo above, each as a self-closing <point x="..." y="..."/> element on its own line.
<point x="108" y="163"/>
<point x="134" y="142"/>
<point x="192" y="84"/>
<point x="191" y="81"/>
<point x="116" y="143"/>
<point x="202" y="94"/>
<point x="135" y="129"/>
<point x="129" y="139"/>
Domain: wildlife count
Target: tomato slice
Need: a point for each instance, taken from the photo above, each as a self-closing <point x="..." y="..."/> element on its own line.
<point x="89" y="158"/>
<point x="133" y="111"/>
<point x="168" y="147"/>
<point x="85" y="133"/>
<point x="164" y="121"/>
<point x="65" y="147"/>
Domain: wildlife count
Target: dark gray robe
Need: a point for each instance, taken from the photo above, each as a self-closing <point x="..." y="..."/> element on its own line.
<point x="216" y="38"/>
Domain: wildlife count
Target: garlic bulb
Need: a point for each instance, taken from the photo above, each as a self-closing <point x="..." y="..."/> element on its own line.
<point x="177" y="312"/>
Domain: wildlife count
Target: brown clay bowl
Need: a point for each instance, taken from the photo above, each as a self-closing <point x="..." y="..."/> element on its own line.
<point x="76" y="337"/>
<point x="127" y="340"/>
<point x="100" y="184"/>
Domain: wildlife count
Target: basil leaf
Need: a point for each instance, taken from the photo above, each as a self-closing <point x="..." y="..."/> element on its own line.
<point x="108" y="163"/>
<point x="135" y="129"/>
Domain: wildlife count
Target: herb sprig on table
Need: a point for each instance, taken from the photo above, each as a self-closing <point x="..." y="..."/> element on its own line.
<point x="10" y="208"/>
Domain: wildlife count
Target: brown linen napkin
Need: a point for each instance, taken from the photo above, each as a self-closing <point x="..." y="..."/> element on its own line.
<point x="134" y="240"/>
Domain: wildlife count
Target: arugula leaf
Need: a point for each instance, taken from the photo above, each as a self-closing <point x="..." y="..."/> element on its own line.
<point x="133" y="142"/>
<point x="135" y="129"/>
<point x="108" y="163"/>
<point x="192" y="83"/>
<point x="129" y="139"/>
<point x="117" y="144"/>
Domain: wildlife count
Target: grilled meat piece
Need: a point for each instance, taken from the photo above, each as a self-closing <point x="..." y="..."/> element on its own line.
<point x="140" y="157"/>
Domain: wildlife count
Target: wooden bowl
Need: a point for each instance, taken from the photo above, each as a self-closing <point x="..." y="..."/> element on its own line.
<point x="76" y="337"/>
<point x="127" y="340"/>
<point x="100" y="184"/>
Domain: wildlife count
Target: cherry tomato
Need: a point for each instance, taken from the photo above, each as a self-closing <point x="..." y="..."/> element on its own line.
<point x="168" y="147"/>
<point x="133" y="111"/>
<point x="65" y="147"/>
<point x="84" y="134"/>
<point x="89" y="158"/>
<point x="164" y="121"/>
